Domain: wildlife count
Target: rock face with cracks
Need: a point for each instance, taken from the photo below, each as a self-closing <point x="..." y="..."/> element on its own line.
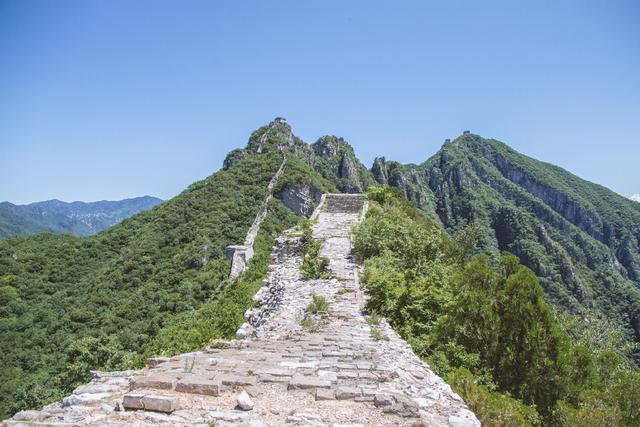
<point x="333" y="370"/>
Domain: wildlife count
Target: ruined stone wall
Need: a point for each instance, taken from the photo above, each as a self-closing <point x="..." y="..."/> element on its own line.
<point x="290" y="367"/>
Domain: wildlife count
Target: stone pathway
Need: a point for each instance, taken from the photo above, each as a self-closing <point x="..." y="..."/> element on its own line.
<point x="338" y="370"/>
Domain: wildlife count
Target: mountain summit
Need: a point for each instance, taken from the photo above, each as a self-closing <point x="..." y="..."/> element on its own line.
<point x="581" y="239"/>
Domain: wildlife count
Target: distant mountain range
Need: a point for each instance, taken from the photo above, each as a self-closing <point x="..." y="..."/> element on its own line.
<point x="80" y="218"/>
<point x="635" y="197"/>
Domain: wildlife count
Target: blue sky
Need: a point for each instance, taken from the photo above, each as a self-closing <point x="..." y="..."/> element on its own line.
<point x="105" y="100"/>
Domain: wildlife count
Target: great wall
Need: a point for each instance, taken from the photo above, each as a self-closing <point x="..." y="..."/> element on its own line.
<point x="345" y="370"/>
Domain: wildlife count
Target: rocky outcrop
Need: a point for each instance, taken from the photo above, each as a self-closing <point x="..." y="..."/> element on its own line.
<point x="301" y="199"/>
<point x="333" y="157"/>
<point x="574" y="212"/>
<point x="234" y="157"/>
<point x="348" y="172"/>
<point x="379" y="171"/>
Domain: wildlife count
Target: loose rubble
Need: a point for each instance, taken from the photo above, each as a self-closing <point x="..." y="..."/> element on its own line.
<point x="278" y="372"/>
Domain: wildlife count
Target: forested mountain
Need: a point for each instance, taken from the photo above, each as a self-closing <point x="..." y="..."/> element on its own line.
<point x="79" y="218"/>
<point x="580" y="238"/>
<point x="157" y="283"/>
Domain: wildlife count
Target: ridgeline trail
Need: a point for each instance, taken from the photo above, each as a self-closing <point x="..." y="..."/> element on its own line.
<point x="288" y="365"/>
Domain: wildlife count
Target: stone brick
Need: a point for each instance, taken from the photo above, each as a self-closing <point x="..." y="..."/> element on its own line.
<point x="236" y="380"/>
<point x="308" y="382"/>
<point x="366" y="375"/>
<point x="166" y="404"/>
<point x="347" y="374"/>
<point x="161" y="382"/>
<point x="133" y="401"/>
<point x="266" y="378"/>
<point x="198" y="386"/>
<point x="382" y="400"/>
<point x="347" y="392"/>
<point x="278" y="372"/>
<point x="325" y="394"/>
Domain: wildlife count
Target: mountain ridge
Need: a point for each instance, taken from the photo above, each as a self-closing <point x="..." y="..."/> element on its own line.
<point x="563" y="227"/>
<point x="77" y="217"/>
<point x="158" y="282"/>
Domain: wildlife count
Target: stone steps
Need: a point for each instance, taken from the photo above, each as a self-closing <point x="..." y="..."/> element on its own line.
<point x="333" y="373"/>
<point x="344" y="203"/>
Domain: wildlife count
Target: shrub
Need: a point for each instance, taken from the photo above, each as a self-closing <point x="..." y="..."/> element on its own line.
<point x="318" y="305"/>
<point x="313" y="265"/>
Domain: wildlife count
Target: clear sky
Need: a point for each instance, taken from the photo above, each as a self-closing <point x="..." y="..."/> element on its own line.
<point x="111" y="99"/>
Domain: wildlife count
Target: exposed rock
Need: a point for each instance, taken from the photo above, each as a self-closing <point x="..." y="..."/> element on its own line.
<point x="234" y="157"/>
<point x="198" y="386"/>
<point x="379" y="171"/>
<point x="27" y="416"/>
<point x="333" y="157"/>
<point x="157" y="403"/>
<point x="300" y="199"/>
<point x="244" y="401"/>
<point x="348" y="172"/>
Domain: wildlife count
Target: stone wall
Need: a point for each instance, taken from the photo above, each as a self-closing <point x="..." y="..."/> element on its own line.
<point x="241" y="254"/>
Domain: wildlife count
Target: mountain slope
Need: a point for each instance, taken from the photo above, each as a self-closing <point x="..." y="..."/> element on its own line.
<point x="79" y="218"/>
<point x="155" y="283"/>
<point x="580" y="238"/>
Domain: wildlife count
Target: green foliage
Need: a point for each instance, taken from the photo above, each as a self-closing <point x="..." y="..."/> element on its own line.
<point x="222" y="315"/>
<point x="313" y="265"/>
<point x="154" y="284"/>
<point x="565" y="229"/>
<point x="484" y="326"/>
<point x="504" y="319"/>
<point x="495" y="409"/>
<point x="318" y="305"/>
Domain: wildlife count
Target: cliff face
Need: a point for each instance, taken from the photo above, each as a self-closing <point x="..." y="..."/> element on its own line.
<point x="580" y="238"/>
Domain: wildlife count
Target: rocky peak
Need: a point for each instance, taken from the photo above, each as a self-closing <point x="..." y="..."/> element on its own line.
<point x="327" y="146"/>
<point x="276" y="135"/>
<point x="334" y="156"/>
<point x="379" y="171"/>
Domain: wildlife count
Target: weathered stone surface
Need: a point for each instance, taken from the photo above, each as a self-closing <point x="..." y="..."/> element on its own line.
<point x="133" y="401"/>
<point x="382" y="399"/>
<point x="325" y="394"/>
<point x="346" y="392"/>
<point x="197" y="385"/>
<point x="160" y="382"/>
<point x="308" y="382"/>
<point x="96" y="388"/>
<point x="158" y="403"/>
<point x="286" y="369"/>
<point x="27" y="416"/>
<point x="300" y="199"/>
<point x="244" y="402"/>
<point x="155" y="361"/>
<point x="236" y="380"/>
